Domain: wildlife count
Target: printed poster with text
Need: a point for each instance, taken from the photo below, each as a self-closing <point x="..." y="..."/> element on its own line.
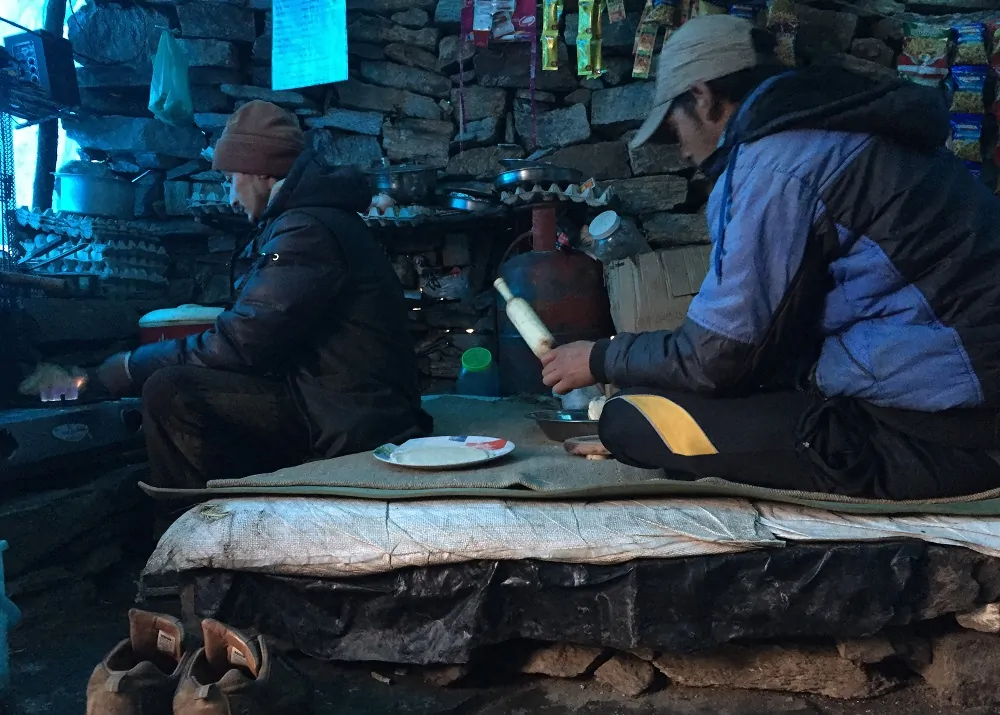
<point x="310" y="43"/>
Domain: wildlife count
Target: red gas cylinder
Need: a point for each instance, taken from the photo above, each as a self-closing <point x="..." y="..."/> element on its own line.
<point x="566" y="290"/>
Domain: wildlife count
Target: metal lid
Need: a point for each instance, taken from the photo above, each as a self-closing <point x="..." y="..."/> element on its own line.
<point x="604" y="224"/>
<point x="400" y="169"/>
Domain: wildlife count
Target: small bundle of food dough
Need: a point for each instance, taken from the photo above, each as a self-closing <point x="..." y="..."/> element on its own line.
<point x="596" y="407"/>
<point x="438" y="456"/>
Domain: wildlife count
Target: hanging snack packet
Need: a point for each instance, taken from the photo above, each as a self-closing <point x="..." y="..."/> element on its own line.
<point x="993" y="40"/>
<point x="969" y="84"/>
<point x="783" y="23"/>
<point x="616" y="10"/>
<point x="550" y="34"/>
<point x="588" y="40"/>
<point x="784" y="48"/>
<point x="970" y="45"/>
<point x="656" y="14"/>
<point x="924" y="59"/>
<point x="645" y="42"/>
<point x="966" y="137"/>
<point x="515" y="21"/>
<point x="663" y="12"/>
<point x="467" y="13"/>
<point x="781" y="13"/>
<point x="482" y="22"/>
<point x="503" y="19"/>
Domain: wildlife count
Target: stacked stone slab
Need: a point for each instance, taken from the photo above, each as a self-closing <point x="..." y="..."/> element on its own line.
<point x="62" y="539"/>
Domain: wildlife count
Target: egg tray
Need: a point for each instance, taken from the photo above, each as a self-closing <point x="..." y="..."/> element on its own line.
<point x="590" y="195"/>
<point x="107" y="270"/>
<point x="79" y="226"/>
<point x="210" y="202"/>
<point x="140" y="249"/>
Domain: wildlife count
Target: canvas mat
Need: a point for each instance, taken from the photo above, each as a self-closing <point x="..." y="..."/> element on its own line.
<point x="537" y="469"/>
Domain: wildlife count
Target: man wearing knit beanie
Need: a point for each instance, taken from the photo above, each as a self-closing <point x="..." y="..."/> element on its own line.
<point x="314" y="358"/>
<point x="258" y="147"/>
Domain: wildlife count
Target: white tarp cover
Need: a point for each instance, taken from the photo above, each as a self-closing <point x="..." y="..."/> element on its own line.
<point x="796" y="523"/>
<point x="347" y="537"/>
<point x="355" y="537"/>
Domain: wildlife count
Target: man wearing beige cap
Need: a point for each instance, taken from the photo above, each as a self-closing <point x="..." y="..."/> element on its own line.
<point x="847" y="337"/>
<point x="314" y="359"/>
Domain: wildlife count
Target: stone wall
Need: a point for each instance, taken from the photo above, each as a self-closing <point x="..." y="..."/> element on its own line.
<point x="409" y="76"/>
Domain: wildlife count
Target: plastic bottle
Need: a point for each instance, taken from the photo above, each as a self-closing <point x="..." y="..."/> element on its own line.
<point x="527" y="322"/>
<point x="479" y="375"/>
<point x="613" y="238"/>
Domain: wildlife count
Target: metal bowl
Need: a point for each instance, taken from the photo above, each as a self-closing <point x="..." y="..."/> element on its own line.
<point x="465" y="202"/>
<point x="512" y="164"/>
<point x="561" y="425"/>
<point x="407" y="184"/>
<point x="477" y="189"/>
<point x="543" y="175"/>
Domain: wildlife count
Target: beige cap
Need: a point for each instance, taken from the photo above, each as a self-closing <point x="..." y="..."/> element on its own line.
<point x="702" y="49"/>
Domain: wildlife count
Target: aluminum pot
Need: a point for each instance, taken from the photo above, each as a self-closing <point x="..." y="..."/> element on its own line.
<point x="95" y="195"/>
<point x="561" y="425"/>
<point x="405" y="183"/>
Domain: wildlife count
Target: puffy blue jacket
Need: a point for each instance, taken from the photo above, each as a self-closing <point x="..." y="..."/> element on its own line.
<point x="852" y="253"/>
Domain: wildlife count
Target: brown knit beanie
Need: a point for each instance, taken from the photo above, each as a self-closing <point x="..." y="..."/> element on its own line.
<point x="260" y="139"/>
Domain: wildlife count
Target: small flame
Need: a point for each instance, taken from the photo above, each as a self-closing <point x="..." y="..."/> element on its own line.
<point x="68" y="391"/>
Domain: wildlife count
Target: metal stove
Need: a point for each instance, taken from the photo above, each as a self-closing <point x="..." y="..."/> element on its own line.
<point x="41" y="437"/>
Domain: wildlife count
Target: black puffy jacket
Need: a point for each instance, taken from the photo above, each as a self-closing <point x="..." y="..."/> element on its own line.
<point x="321" y="307"/>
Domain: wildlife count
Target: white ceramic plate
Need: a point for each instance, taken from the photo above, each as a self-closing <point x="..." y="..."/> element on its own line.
<point x="444" y="452"/>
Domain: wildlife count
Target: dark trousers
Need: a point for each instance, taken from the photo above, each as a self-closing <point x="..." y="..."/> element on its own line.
<point x="795" y="441"/>
<point x="204" y="424"/>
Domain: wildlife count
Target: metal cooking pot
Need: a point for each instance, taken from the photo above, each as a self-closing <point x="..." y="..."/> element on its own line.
<point x="95" y="195"/>
<point x="405" y="183"/>
<point x="561" y="425"/>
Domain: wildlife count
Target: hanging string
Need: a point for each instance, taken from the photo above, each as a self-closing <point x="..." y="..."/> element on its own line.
<point x="8" y="203"/>
<point x="466" y="30"/>
<point x="531" y="83"/>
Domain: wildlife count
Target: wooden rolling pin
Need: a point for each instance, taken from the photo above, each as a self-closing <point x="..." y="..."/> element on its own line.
<point x="526" y="321"/>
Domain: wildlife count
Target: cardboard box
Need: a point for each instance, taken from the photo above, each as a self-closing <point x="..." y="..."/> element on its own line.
<point x="652" y="291"/>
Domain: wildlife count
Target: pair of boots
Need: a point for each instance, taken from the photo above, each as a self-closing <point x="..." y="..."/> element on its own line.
<point x="154" y="673"/>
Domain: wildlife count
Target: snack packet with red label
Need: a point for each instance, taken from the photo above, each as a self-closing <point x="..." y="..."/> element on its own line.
<point x="516" y="22"/>
<point x="924" y="59"/>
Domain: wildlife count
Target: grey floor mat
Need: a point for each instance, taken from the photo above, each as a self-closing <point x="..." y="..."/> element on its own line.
<point x="537" y="469"/>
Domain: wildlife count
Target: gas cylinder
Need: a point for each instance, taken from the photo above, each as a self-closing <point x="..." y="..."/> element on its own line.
<point x="567" y="292"/>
